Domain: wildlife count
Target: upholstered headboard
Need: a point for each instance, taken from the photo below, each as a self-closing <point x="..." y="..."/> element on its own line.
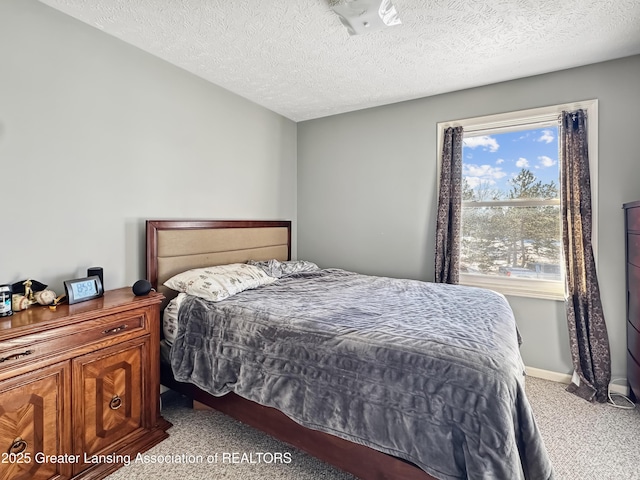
<point x="174" y="246"/>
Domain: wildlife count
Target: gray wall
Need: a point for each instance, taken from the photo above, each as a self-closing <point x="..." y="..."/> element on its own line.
<point x="97" y="136"/>
<point x="367" y="190"/>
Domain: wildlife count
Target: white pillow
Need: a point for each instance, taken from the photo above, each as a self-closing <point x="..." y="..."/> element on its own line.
<point x="170" y="318"/>
<point x="219" y="282"/>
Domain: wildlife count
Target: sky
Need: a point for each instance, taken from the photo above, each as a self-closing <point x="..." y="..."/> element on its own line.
<point x="494" y="159"/>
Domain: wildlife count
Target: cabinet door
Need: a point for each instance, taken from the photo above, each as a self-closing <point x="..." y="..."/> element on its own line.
<point x="108" y="398"/>
<point x="35" y="433"/>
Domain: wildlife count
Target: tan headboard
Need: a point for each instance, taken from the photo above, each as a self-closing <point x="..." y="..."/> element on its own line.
<point x="174" y="246"/>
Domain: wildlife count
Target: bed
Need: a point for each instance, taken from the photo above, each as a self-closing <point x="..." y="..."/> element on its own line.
<point x="389" y="405"/>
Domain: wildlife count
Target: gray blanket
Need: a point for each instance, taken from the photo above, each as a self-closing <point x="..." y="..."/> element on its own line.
<point x="427" y="372"/>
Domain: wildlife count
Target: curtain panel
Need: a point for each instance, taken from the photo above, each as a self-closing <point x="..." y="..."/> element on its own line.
<point x="588" y="336"/>
<point x="447" y="259"/>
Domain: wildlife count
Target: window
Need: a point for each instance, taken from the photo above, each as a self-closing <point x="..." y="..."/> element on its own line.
<point x="511" y="238"/>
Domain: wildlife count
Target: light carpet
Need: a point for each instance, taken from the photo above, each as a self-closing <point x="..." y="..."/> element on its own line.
<point x="585" y="441"/>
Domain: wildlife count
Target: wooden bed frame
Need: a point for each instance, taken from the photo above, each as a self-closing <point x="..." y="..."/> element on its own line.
<point x="174" y="246"/>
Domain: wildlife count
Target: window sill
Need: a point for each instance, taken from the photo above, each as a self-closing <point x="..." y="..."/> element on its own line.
<point x="530" y="288"/>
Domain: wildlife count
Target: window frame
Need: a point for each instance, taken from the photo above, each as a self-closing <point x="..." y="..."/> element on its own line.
<point x="517" y="120"/>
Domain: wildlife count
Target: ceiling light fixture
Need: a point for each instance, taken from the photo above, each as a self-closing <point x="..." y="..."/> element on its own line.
<point x="364" y="16"/>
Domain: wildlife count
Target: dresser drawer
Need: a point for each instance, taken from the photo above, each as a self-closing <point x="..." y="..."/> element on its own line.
<point x="633" y="341"/>
<point x="110" y="329"/>
<point x="633" y="219"/>
<point x="633" y="295"/>
<point x="111" y="397"/>
<point x="633" y="249"/>
<point x="633" y="376"/>
<point x="34" y="417"/>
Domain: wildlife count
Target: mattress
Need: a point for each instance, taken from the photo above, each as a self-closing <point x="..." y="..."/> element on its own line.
<point x="430" y="373"/>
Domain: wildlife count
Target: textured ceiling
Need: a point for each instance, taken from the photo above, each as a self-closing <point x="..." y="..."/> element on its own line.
<point x="295" y="57"/>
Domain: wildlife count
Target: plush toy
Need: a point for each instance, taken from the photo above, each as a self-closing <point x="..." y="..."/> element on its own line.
<point x="45" y="297"/>
<point x="19" y="302"/>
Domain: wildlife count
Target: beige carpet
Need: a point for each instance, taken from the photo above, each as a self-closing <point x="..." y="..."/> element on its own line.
<point x="585" y="441"/>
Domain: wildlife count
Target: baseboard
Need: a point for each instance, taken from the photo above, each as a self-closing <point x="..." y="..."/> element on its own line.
<point x="566" y="378"/>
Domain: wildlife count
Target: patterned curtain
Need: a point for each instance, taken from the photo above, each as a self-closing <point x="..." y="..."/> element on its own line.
<point x="587" y="330"/>
<point x="449" y="208"/>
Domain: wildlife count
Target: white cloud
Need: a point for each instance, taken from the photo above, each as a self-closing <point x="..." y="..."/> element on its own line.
<point x="485" y="141"/>
<point x="522" y="162"/>
<point x="475" y="181"/>
<point x="547" y="136"/>
<point x="476" y="174"/>
<point x="545" y="161"/>
<point x="482" y="171"/>
<point x="500" y="161"/>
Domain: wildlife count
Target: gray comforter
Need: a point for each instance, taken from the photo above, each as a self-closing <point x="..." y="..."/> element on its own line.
<point x="427" y="372"/>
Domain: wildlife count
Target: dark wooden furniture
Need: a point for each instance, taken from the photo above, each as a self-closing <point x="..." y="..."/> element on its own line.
<point x="78" y="383"/>
<point x="632" y="228"/>
<point x="176" y="246"/>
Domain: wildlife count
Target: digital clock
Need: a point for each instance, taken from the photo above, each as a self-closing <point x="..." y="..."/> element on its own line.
<point x="82" y="289"/>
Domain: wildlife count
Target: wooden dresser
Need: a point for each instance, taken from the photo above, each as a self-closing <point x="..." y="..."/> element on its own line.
<point x="79" y="387"/>
<point x="632" y="226"/>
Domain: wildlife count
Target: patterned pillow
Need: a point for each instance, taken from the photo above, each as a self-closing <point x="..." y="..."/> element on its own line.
<point x="219" y="282"/>
<point x="275" y="268"/>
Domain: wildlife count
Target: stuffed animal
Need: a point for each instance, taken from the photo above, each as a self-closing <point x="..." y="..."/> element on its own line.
<point x="45" y="297"/>
<point x="19" y="302"/>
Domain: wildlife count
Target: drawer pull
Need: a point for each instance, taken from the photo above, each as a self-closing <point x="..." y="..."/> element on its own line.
<point x="16" y="356"/>
<point x="115" y="403"/>
<point x="114" y="330"/>
<point x="18" y="446"/>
